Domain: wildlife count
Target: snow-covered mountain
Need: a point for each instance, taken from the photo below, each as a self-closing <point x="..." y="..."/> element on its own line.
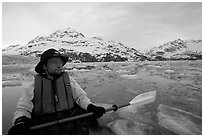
<point x="84" y="49"/>
<point x="78" y="47"/>
<point x="176" y="50"/>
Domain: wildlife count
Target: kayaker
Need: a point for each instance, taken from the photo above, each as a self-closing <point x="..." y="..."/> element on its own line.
<point x="54" y="95"/>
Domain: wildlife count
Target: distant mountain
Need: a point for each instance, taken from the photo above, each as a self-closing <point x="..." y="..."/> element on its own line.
<point x="96" y="49"/>
<point x="177" y="50"/>
<point x="78" y="47"/>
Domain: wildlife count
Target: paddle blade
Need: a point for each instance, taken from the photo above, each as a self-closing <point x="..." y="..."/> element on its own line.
<point x="144" y="98"/>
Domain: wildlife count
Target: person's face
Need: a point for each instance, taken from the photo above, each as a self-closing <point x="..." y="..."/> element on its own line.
<point x="54" y="66"/>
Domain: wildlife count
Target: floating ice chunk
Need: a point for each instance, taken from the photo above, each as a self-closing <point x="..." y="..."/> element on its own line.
<point x="127" y="112"/>
<point x="130" y="76"/>
<point x="169" y="71"/>
<point x="122" y="71"/>
<point x="179" y="121"/>
<point x="127" y="127"/>
<point x="80" y="70"/>
<point x="11" y="83"/>
<point x="84" y="70"/>
<point x="158" y="67"/>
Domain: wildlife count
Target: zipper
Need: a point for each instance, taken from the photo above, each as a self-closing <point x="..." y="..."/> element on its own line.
<point x="55" y="95"/>
<point x="56" y="98"/>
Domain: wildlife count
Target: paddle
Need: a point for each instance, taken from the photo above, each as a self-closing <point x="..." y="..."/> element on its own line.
<point x="139" y="100"/>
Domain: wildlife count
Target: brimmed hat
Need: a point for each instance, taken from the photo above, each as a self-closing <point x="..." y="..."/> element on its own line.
<point x="46" y="55"/>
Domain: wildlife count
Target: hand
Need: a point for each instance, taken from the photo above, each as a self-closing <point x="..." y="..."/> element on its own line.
<point x="115" y="108"/>
<point x="98" y="111"/>
<point x="21" y="126"/>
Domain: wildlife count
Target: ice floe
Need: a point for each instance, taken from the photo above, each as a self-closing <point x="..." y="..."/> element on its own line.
<point x="81" y="70"/>
<point x="11" y="83"/>
<point x="158" y="67"/>
<point x="127" y="112"/>
<point x="128" y="127"/>
<point x="169" y="71"/>
<point x="122" y="71"/>
<point x="129" y="76"/>
<point x="179" y="121"/>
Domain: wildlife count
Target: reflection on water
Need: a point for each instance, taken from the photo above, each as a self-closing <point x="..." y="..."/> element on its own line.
<point x="10" y="97"/>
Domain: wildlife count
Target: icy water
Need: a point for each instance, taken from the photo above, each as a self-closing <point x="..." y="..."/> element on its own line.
<point x="177" y="108"/>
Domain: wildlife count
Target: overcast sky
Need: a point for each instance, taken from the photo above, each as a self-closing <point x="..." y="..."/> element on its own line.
<point x="136" y="24"/>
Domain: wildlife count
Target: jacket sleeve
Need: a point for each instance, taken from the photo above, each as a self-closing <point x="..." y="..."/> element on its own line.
<point x="25" y="105"/>
<point x="79" y="94"/>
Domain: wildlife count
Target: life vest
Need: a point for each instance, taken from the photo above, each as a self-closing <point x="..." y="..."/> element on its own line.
<point x="53" y="101"/>
<point x="52" y="96"/>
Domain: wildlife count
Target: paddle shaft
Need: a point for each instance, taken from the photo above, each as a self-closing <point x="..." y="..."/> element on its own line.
<point x="72" y="118"/>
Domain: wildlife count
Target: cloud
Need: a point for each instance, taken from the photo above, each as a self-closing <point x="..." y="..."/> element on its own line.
<point x="134" y="23"/>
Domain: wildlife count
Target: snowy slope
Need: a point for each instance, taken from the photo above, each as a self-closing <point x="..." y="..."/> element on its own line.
<point x="178" y="49"/>
<point x="69" y="40"/>
<point x="82" y="48"/>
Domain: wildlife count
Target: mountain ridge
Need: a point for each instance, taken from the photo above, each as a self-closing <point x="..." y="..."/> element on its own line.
<point x="96" y="49"/>
<point x="177" y="50"/>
